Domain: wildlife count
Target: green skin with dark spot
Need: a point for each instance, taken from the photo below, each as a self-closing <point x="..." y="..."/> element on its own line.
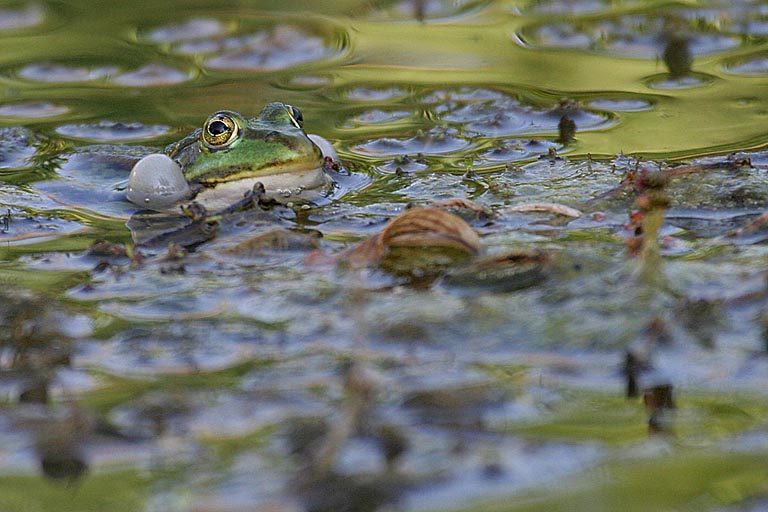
<point x="267" y="145"/>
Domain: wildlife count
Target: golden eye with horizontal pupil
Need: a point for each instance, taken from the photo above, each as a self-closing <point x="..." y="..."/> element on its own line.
<point x="220" y="130"/>
<point x="296" y="116"/>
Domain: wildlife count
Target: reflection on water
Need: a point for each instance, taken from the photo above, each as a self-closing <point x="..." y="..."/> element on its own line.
<point x="576" y="362"/>
<point x="110" y="131"/>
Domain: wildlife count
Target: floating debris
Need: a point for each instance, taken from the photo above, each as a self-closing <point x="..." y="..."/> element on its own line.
<point x="677" y="56"/>
<point x="559" y="209"/>
<point x="566" y="130"/>
<point x="660" y="406"/>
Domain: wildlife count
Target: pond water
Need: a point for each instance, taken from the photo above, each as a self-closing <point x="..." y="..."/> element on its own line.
<point x="571" y="365"/>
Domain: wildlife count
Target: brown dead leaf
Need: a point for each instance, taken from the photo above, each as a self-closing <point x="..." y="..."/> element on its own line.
<point x="463" y="207"/>
<point x="430" y="227"/>
<point x="366" y="253"/>
<point x="417" y="228"/>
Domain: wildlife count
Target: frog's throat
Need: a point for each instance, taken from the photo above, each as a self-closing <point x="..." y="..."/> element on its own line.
<point x="238" y="173"/>
<point x="283" y="187"/>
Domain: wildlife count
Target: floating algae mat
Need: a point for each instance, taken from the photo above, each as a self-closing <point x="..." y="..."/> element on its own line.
<point x="538" y="280"/>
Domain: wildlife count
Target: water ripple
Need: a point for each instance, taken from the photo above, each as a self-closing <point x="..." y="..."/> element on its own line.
<point x="14" y="19"/>
<point x="33" y="110"/>
<point x="113" y="131"/>
<point x="52" y="72"/>
<point x="152" y="75"/>
<point x="630" y="35"/>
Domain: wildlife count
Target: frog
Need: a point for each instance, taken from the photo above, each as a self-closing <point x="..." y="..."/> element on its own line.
<point x="219" y="162"/>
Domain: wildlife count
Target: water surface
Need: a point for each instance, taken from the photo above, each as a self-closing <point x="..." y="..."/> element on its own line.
<point x="242" y="374"/>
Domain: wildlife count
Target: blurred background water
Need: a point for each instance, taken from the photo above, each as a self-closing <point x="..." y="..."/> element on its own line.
<point x="241" y="377"/>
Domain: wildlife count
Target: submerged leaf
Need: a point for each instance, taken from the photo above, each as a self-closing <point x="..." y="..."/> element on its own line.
<point x="509" y="271"/>
<point x="278" y="240"/>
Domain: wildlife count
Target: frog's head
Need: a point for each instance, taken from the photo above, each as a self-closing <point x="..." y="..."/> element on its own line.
<point x="230" y="148"/>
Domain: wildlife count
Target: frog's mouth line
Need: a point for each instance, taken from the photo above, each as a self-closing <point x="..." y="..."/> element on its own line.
<point x="241" y="172"/>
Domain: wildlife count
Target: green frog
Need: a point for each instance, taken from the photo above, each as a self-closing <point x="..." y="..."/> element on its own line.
<point x="216" y="164"/>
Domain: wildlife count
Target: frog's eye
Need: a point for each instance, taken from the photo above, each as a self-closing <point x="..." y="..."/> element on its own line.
<point x="296" y="116"/>
<point x="220" y="130"/>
